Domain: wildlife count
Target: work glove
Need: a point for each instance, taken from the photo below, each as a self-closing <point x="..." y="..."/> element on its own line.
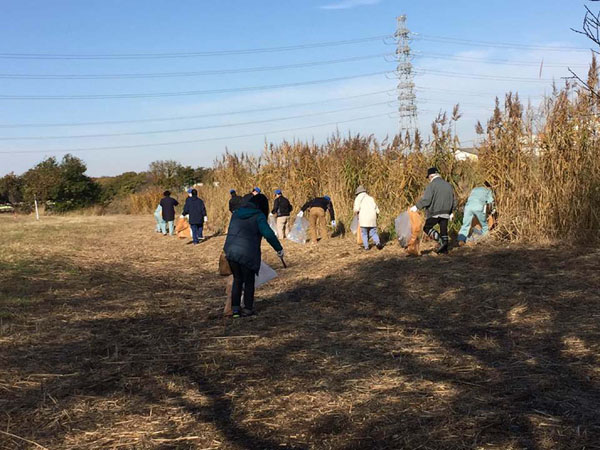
<point x="280" y="253"/>
<point x="300" y="214"/>
<point x="182" y="216"/>
<point x="333" y="223"/>
<point x="206" y="218"/>
<point x="413" y="209"/>
<point x="451" y="217"/>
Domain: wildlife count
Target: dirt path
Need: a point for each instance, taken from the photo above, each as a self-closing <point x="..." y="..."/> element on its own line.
<point x="111" y="336"/>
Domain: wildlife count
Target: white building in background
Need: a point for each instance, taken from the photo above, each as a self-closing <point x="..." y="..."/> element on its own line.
<point x="466" y="154"/>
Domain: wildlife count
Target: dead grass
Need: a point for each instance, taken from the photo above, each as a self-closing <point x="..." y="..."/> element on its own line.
<point x="111" y="336"/>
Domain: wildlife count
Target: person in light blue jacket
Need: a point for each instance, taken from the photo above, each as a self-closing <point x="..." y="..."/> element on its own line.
<point x="158" y="218"/>
<point x="477" y="205"/>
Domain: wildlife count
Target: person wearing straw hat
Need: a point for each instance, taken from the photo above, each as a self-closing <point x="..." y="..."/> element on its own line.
<point x="282" y="209"/>
<point x="367" y="210"/>
<point x="439" y="202"/>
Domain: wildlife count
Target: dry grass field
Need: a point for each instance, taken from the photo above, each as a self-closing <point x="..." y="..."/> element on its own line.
<point x="111" y="336"/>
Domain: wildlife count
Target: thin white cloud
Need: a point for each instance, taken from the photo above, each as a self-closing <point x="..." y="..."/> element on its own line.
<point x="348" y="4"/>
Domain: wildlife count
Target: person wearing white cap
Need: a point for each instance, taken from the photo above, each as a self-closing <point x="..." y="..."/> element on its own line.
<point x="367" y="210"/>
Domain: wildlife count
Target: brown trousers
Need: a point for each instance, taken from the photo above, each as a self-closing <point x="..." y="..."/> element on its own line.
<point x="316" y="217"/>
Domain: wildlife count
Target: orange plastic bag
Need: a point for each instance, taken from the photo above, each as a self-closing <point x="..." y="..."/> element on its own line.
<point x="416" y="224"/>
<point x="182" y="228"/>
<point x="409" y="229"/>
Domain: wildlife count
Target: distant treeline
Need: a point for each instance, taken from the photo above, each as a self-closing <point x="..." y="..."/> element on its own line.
<point x="64" y="186"/>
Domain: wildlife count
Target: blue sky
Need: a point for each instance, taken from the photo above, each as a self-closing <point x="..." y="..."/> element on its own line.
<point x="447" y="72"/>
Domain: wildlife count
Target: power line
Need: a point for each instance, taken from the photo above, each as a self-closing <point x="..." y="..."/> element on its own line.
<point x="454" y="40"/>
<point x="506" y="62"/>
<point x="196" y="116"/>
<point x="178" y="130"/>
<point x="193" y="141"/>
<point x="110" y="76"/>
<point x="190" y="54"/>
<point x="475" y="76"/>
<point x="185" y="93"/>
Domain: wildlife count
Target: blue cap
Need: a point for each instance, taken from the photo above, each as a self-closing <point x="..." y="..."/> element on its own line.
<point x="278" y="191"/>
<point x="257" y="189"/>
<point x="232" y="191"/>
<point x="327" y="197"/>
<point x="189" y="191"/>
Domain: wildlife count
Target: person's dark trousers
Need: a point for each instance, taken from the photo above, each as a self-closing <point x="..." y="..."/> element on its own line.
<point x="244" y="278"/>
<point x="433" y="234"/>
<point x="196" y="232"/>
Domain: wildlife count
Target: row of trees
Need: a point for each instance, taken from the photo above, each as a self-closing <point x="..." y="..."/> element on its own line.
<point x="65" y="185"/>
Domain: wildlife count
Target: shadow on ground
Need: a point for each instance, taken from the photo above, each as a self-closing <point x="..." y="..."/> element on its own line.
<point x="493" y="348"/>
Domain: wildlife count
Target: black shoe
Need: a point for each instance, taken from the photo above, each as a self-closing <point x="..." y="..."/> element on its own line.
<point x="443" y="247"/>
<point x="379" y="246"/>
<point x="236" y="315"/>
<point x="248" y="312"/>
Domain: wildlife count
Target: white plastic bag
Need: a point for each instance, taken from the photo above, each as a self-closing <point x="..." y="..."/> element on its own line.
<point x="354" y="224"/>
<point x="265" y="274"/>
<point x="273" y="223"/>
<point x="403" y="228"/>
<point x="299" y="230"/>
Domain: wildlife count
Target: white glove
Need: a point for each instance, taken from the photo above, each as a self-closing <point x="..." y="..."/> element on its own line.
<point x="451" y="217"/>
<point x="413" y="209"/>
<point x="270" y="214"/>
<point x="182" y="216"/>
<point x="300" y="214"/>
<point x="206" y="218"/>
<point x="280" y="253"/>
<point x="333" y="223"/>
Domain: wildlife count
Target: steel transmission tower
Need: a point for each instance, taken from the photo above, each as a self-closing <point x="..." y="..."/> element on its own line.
<point x="407" y="100"/>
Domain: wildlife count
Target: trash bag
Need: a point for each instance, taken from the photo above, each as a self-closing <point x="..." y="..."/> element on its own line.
<point x="403" y="228"/>
<point x="409" y="226"/>
<point x="273" y="223"/>
<point x="354" y="224"/>
<point x="182" y="228"/>
<point x="299" y="230"/>
<point x="265" y="274"/>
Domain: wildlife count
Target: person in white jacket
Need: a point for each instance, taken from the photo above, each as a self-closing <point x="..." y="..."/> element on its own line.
<point x="367" y="210"/>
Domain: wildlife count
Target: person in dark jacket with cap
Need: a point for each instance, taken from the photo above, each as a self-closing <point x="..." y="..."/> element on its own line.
<point x="195" y="208"/>
<point x="317" y="208"/>
<point x="235" y="201"/>
<point x="439" y="202"/>
<point x="242" y="249"/>
<point x="261" y="200"/>
<point x="282" y="209"/>
<point x="168" y="205"/>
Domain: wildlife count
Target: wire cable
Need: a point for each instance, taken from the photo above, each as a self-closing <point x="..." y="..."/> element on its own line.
<point x="178" y="130"/>
<point x="186" y="93"/>
<point x="191" y="54"/>
<point x="110" y="76"/>
<point x="193" y="141"/>
<point x="196" y="116"/>
<point x="515" y="45"/>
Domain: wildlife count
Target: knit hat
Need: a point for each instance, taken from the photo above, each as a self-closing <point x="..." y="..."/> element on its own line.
<point x="278" y="191"/>
<point x="327" y="197"/>
<point x="360" y="190"/>
<point x="232" y="191"/>
<point x="432" y="171"/>
<point x="256" y="189"/>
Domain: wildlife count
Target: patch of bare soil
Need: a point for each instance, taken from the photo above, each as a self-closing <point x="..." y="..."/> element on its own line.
<point x="111" y="336"/>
